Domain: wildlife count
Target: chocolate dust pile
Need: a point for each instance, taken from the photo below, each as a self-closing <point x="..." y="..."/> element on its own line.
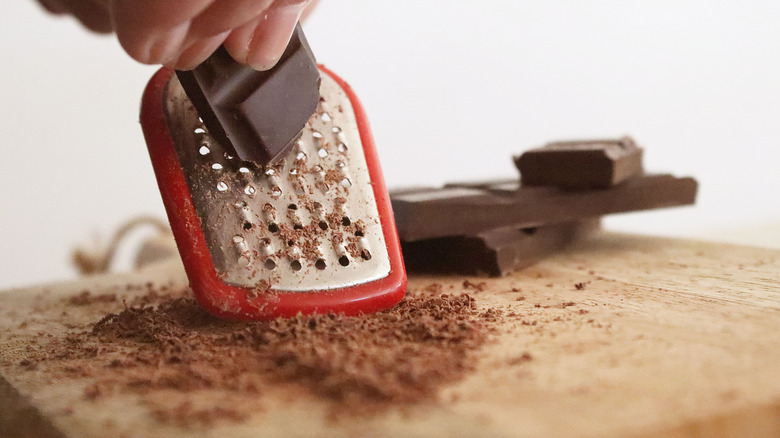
<point x="167" y="342"/>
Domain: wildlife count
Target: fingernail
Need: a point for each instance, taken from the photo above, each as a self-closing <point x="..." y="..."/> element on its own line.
<point x="272" y="35"/>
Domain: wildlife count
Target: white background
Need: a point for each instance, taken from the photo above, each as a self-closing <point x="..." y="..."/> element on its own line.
<point x="453" y="89"/>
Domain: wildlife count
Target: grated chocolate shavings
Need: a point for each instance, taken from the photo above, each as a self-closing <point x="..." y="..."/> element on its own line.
<point x="166" y="342"/>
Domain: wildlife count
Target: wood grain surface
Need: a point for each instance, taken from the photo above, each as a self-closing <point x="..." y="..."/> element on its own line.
<point x="620" y="336"/>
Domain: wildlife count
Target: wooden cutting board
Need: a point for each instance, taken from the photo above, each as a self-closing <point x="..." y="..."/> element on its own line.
<point x="620" y="336"/>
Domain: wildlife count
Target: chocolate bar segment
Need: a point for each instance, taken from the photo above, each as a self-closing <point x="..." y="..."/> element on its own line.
<point x="456" y="211"/>
<point x="581" y="164"/>
<point x="256" y="114"/>
<point x="493" y="252"/>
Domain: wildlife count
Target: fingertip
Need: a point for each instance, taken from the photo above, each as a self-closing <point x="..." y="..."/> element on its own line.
<point x="270" y="41"/>
<point x="261" y="43"/>
<point x="264" y="60"/>
<point x="99" y="26"/>
<point x="161" y="46"/>
<point x="196" y="53"/>
<point x="53" y="6"/>
<point x="93" y="15"/>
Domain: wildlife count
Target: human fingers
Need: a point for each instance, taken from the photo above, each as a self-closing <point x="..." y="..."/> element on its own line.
<point x="208" y="30"/>
<point x="260" y="43"/>
<point x="54" y="6"/>
<point x="225" y="15"/>
<point x="93" y="14"/>
<point x="309" y="8"/>
<point x="153" y="32"/>
<point x="255" y="32"/>
<point x="197" y="52"/>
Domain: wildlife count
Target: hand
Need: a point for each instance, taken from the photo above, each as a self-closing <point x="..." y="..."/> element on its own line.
<point x="182" y="34"/>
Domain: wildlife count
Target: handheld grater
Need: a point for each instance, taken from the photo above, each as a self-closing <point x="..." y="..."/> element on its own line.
<point x="311" y="232"/>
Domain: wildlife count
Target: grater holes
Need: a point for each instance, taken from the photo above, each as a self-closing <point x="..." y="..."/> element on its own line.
<point x="292" y="207"/>
<point x="235" y="212"/>
<point x="204" y="150"/>
<point x="269" y="264"/>
<point x="222" y="186"/>
<point x="346" y="183"/>
<point x="216" y="166"/>
<point x="365" y="254"/>
<point x="250" y="189"/>
<point x="243" y="250"/>
<point x="199" y="131"/>
<point x="322" y="152"/>
<point x="317" y="135"/>
<point x="342" y="147"/>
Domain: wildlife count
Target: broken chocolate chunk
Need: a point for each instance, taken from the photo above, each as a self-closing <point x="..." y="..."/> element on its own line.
<point x="493" y="252"/>
<point x="257" y="114"/>
<point x="581" y="164"/>
<point x="454" y="211"/>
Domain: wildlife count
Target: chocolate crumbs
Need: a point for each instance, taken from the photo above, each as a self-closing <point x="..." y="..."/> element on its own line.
<point x="86" y="298"/>
<point x="168" y="343"/>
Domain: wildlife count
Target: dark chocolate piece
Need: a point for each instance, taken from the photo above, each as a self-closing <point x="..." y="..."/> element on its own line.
<point x="494" y="252"/>
<point x="581" y="164"/>
<point x="465" y="211"/>
<point x="257" y="114"/>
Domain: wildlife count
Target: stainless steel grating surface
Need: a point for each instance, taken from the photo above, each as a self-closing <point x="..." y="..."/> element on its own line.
<point x="307" y="222"/>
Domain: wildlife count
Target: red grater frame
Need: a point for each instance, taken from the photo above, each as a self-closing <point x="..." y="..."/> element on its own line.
<point x="232" y="302"/>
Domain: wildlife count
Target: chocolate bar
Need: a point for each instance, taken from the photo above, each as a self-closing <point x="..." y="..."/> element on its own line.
<point x="257" y="115"/>
<point x="493" y="252"/>
<point x="581" y="164"/>
<point x="454" y="211"/>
